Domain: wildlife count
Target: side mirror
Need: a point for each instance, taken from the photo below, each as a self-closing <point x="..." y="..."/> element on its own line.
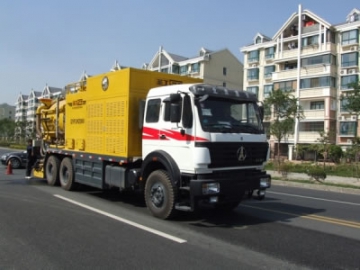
<point x="175" y="113"/>
<point x="175" y="98"/>
<point x="175" y="108"/>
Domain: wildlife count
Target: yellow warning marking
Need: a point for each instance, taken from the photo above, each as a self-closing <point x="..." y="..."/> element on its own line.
<point x="342" y="222"/>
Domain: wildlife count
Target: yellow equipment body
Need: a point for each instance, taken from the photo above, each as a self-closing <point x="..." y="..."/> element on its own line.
<point x="101" y="115"/>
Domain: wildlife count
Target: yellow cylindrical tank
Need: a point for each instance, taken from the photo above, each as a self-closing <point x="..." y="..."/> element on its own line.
<point x="51" y="121"/>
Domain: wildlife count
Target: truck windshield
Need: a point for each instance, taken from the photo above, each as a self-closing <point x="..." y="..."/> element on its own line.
<point x="229" y="115"/>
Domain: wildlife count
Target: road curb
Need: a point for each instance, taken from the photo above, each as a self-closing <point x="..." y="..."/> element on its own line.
<point x="316" y="187"/>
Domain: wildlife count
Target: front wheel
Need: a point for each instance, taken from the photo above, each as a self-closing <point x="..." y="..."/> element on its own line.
<point x="160" y="195"/>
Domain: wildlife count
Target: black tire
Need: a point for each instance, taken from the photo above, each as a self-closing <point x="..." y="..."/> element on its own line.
<point x="260" y="196"/>
<point x="66" y="175"/>
<point x="15" y="163"/>
<point x="52" y="167"/>
<point x="160" y="195"/>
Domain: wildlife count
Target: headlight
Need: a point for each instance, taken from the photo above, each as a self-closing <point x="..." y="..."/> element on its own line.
<point x="210" y="188"/>
<point x="3" y="157"/>
<point x="265" y="182"/>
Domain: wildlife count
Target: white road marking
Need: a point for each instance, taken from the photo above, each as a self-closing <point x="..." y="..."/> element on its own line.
<point x="312" y="198"/>
<point x="139" y="226"/>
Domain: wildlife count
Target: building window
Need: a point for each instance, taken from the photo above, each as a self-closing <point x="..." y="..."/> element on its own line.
<point x="175" y="69"/>
<point x="258" y="40"/>
<point x="224" y="71"/>
<point x="267" y="90"/>
<point x="314" y="126"/>
<point x="165" y="70"/>
<point x="183" y="70"/>
<point x="349" y="59"/>
<point x="317" y="105"/>
<point x="195" y="68"/>
<point x="285" y="86"/>
<point x="317" y="82"/>
<point x="313" y="40"/>
<point x="270" y="53"/>
<point x="343" y="104"/>
<point x="348" y="128"/>
<point x="253" y="74"/>
<point x="253" y="56"/>
<point x="346" y="81"/>
<point x="253" y="89"/>
<point x="268" y="71"/>
<point x="321" y="59"/>
<point x="224" y="84"/>
<point x="350" y="37"/>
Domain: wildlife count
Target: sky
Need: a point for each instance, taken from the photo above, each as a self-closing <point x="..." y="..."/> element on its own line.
<point x="52" y="42"/>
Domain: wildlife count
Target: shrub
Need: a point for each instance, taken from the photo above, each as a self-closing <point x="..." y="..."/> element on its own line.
<point x="335" y="153"/>
<point x="317" y="173"/>
<point x="285" y="168"/>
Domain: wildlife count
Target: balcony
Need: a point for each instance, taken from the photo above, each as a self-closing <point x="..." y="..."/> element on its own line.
<point x="317" y="92"/>
<point x="309" y="29"/>
<point x="284" y="74"/>
<point x="311" y="49"/>
<point x="304" y="137"/>
<point x="321" y="69"/>
<point x="314" y="115"/>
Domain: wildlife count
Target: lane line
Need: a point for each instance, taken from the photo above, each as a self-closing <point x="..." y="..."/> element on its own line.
<point x="342" y="222"/>
<point x="131" y="223"/>
<point x="313" y="198"/>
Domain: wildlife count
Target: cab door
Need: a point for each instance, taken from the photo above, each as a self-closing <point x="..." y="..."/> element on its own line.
<point x="177" y="138"/>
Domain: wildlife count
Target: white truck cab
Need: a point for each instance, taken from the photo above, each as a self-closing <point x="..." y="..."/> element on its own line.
<point x="209" y="142"/>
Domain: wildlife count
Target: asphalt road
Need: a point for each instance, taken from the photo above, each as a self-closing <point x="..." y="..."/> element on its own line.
<point x="43" y="227"/>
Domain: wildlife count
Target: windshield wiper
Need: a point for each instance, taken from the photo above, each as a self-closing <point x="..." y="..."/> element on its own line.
<point x="249" y="128"/>
<point x="222" y="127"/>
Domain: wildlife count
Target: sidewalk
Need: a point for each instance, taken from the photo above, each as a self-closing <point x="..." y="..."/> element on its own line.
<point x="329" y="179"/>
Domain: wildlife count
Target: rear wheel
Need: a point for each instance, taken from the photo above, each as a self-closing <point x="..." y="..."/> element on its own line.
<point x="66" y="174"/>
<point x="160" y="195"/>
<point x="52" y="170"/>
<point x="15" y="163"/>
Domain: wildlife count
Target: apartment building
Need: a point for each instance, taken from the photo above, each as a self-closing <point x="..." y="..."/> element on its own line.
<point x="32" y="105"/>
<point x="316" y="61"/>
<point x="26" y="106"/>
<point x="214" y="67"/>
<point x="7" y="112"/>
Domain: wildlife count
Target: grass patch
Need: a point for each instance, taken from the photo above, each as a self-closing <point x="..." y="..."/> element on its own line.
<point x="317" y="183"/>
<point x="343" y="170"/>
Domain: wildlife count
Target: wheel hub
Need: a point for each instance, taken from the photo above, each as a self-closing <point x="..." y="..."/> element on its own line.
<point x="157" y="195"/>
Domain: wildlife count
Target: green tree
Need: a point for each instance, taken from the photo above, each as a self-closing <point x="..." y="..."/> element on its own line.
<point x="325" y="140"/>
<point x="20" y="131"/>
<point x="283" y="108"/>
<point x="351" y="101"/>
<point x="7" y="128"/>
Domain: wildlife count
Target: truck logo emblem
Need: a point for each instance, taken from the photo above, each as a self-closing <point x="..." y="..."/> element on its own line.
<point x="105" y="83"/>
<point x="241" y="153"/>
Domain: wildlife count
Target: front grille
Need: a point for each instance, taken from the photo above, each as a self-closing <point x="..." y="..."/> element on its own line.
<point x="231" y="154"/>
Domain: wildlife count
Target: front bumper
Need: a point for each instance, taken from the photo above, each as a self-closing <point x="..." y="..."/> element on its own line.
<point x="232" y="187"/>
<point x="3" y="160"/>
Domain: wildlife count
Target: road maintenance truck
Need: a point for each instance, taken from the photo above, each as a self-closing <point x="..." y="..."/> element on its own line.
<point x="181" y="142"/>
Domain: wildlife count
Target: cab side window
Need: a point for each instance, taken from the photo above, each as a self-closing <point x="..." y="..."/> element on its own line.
<point x="153" y="111"/>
